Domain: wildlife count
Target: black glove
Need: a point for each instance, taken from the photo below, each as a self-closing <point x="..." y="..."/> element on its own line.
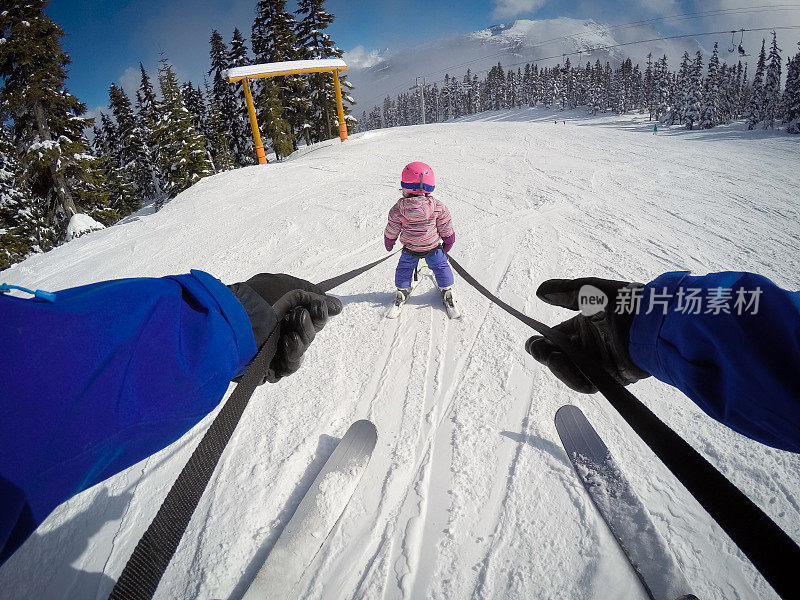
<point x="298" y="308"/>
<point x="604" y="335"/>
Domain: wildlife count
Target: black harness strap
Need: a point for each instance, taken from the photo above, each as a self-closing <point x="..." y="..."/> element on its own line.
<point x="331" y="283"/>
<point x="146" y="566"/>
<point x="769" y="548"/>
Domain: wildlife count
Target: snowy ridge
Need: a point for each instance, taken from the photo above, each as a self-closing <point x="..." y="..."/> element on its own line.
<point x="511" y="44"/>
<point x="468" y="493"/>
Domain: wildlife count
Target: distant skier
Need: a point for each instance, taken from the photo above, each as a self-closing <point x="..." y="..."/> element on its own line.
<point x="730" y="341"/>
<point x="655" y="129"/>
<point x="424" y="227"/>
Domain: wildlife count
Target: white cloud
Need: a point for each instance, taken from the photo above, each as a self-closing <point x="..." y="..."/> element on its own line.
<point x="361" y="58"/>
<point x="661" y="8"/>
<point x="130" y="80"/>
<point x="93" y="113"/>
<point x="511" y="8"/>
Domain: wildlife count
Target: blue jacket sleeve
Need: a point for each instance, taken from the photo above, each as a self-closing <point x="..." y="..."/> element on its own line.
<point x="742" y="367"/>
<point x="103" y="377"/>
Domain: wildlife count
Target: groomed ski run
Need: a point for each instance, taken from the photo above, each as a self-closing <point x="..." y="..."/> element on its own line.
<point x="468" y="493"/>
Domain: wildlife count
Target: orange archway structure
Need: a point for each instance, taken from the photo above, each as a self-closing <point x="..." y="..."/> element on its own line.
<point x="289" y="67"/>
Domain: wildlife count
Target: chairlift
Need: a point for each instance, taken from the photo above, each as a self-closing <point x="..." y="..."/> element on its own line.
<point x="741" y="49"/>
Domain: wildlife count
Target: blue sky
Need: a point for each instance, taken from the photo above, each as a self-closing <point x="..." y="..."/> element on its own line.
<point x="107" y="39"/>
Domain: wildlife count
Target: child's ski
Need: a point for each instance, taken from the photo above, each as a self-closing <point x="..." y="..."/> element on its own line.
<point x="401" y="298"/>
<point x="450" y="303"/>
<point x="316" y="515"/>
<point x="621" y="508"/>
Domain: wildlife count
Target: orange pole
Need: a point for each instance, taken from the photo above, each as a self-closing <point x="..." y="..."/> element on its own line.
<point x="251" y="110"/>
<point x="339" y="108"/>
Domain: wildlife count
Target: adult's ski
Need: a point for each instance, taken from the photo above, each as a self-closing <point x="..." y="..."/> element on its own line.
<point x="621" y="508"/>
<point x="316" y="515"/>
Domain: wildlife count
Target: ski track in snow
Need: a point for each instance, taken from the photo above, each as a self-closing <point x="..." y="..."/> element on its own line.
<point x="468" y="493"/>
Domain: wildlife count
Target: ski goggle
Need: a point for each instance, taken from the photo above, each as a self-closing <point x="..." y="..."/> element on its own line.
<point x="417" y="186"/>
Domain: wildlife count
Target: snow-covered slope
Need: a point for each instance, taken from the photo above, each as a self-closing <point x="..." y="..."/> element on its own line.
<point x="542" y="42"/>
<point x="468" y="494"/>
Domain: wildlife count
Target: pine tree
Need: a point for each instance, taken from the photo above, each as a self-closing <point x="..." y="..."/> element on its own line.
<point x="745" y="93"/>
<point x="146" y="103"/>
<point x="791" y="95"/>
<point x="276" y="126"/>
<point x="181" y="152"/>
<point x="108" y="149"/>
<point x="681" y="86"/>
<point x="756" y="112"/>
<point x="47" y="119"/>
<point x="650" y="92"/>
<point x="709" y="113"/>
<point x="311" y="36"/>
<point x="135" y="156"/>
<point x="726" y="93"/>
<point x="195" y="103"/>
<point x="376" y="121"/>
<point x="148" y="111"/>
<point x="662" y="88"/>
<point x="222" y="96"/>
<point x="241" y="134"/>
<point x="218" y="132"/>
<point x="272" y="38"/>
<point x="772" y="85"/>
<point x="694" y="92"/>
<point x="20" y="216"/>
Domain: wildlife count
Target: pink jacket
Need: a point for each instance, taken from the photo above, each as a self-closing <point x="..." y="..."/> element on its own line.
<point x="420" y="222"/>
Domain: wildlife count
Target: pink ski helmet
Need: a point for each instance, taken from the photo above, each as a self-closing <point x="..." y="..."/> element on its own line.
<point x="417" y="178"/>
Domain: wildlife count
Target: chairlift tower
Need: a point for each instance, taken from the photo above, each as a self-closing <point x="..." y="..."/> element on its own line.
<point x="421" y="86"/>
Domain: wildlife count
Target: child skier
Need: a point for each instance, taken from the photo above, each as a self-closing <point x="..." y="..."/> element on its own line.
<point x="423" y="225"/>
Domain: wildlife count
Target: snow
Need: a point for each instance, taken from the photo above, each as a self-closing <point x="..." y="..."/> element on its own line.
<point x="81" y="224"/>
<point x="468" y="493"/>
<point x="44" y="145"/>
<point x="288" y="65"/>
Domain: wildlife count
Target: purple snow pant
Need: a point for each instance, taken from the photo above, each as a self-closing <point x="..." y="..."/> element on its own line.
<point x="437" y="262"/>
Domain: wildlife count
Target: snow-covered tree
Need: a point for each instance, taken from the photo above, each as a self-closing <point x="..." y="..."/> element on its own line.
<point x="756" y="111"/>
<point x="218" y="137"/>
<point x="662" y="81"/>
<point x="241" y="134"/>
<point x="694" y="93"/>
<point x="772" y="85"/>
<point x="20" y="216"/>
<point x="681" y="86"/>
<point x="650" y="93"/>
<point x="222" y="95"/>
<point x="47" y="120"/>
<point x="311" y="36"/>
<point x="277" y="127"/>
<point x="181" y="151"/>
<point x="274" y="40"/>
<point x="135" y="157"/>
<point x="791" y="95"/>
<point x="146" y="102"/>
<point x="195" y="103"/>
<point x="118" y="183"/>
<point x="709" y="112"/>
